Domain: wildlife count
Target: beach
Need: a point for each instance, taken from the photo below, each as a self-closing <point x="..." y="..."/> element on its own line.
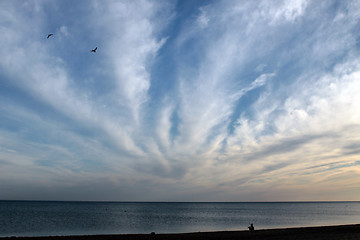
<point x="347" y="232"/>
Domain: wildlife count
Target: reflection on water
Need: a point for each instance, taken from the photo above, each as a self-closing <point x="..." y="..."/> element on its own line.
<point x="26" y="218"/>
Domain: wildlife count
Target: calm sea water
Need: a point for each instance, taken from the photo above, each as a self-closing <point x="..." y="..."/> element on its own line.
<point x="32" y="218"/>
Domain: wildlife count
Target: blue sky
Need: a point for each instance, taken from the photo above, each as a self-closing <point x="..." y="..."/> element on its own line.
<point x="183" y="100"/>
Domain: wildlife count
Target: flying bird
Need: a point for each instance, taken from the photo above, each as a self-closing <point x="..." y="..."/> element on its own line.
<point x="50" y="35"/>
<point x="94" y="50"/>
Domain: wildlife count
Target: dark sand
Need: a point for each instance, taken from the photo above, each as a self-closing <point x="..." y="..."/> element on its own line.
<point x="308" y="233"/>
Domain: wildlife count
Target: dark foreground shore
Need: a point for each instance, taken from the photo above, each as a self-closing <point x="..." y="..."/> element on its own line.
<point x="347" y="232"/>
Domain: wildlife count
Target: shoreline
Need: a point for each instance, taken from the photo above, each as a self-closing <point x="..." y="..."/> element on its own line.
<point x="337" y="232"/>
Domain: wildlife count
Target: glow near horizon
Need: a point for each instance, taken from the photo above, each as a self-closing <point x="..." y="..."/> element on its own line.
<point x="183" y="101"/>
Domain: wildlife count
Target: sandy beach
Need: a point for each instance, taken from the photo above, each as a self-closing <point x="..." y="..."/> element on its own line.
<point x="307" y="233"/>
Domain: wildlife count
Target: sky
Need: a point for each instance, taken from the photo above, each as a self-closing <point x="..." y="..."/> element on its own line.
<point x="182" y="101"/>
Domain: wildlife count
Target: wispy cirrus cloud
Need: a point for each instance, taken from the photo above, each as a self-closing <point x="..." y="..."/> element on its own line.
<point x="222" y="101"/>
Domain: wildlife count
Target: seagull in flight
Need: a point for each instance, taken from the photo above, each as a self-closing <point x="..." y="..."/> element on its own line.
<point x="50" y="35"/>
<point x="94" y="50"/>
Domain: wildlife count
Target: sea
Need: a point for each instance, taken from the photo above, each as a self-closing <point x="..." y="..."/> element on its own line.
<point x="51" y="218"/>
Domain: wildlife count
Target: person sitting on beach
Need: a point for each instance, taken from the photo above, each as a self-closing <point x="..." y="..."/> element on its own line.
<point x="251" y="227"/>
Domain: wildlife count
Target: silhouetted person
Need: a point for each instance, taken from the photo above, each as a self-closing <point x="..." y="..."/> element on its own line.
<point x="251" y="227"/>
<point x="94" y="50"/>
<point x="50" y="35"/>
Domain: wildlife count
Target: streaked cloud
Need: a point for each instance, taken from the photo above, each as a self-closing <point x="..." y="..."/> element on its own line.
<point x="205" y="101"/>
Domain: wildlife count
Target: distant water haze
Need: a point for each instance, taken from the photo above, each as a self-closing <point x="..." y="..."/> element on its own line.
<point x="28" y="218"/>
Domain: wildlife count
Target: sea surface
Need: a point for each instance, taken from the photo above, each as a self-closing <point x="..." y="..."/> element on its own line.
<point x="41" y="218"/>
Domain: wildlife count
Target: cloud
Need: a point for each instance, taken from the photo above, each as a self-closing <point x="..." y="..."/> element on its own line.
<point x="133" y="46"/>
<point x="48" y="80"/>
<point x="222" y="101"/>
<point x="202" y="19"/>
<point x="283" y="10"/>
<point x="63" y="30"/>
